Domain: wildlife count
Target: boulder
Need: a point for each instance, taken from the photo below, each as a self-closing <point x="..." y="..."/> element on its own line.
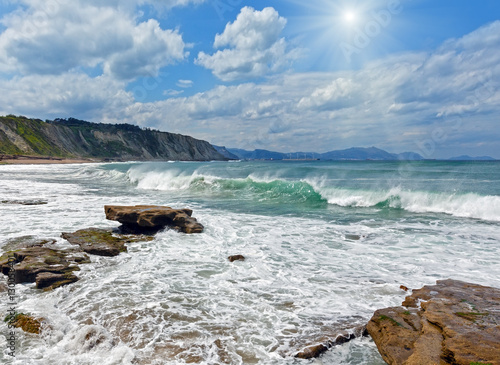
<point x="25" y="321"/>
<point x="152" y="218"/>
<point x="34" y="262"/>
<point x="102" y="242"/>
<point x="236" y="258"/>
<point x="452" y="322"/>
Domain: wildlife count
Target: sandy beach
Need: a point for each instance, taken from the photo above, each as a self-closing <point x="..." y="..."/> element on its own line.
<point x="35" y="160"/>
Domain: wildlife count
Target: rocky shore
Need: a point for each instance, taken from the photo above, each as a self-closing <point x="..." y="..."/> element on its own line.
<point x="452" y="322"/>
<point x="32" y="260"/>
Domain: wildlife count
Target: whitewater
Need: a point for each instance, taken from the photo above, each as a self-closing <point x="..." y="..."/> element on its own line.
<point x="326" y="244"/>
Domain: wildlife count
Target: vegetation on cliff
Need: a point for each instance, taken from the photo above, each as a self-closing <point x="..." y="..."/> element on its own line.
<point x="77" y="138"/>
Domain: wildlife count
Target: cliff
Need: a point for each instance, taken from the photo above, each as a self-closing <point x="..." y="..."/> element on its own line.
<point x="75" y="138"/>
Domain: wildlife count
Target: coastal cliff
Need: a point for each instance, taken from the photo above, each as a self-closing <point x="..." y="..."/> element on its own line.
<point x="73" y="138"/>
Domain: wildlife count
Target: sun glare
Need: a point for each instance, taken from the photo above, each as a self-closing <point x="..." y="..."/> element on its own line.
<point x="349" y="17"/>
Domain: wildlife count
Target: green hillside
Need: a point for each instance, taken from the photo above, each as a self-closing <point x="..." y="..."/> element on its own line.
<point x="80" y="139"/>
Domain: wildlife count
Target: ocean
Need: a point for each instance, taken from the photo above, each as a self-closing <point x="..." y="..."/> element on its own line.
<point x="326" y="244"/>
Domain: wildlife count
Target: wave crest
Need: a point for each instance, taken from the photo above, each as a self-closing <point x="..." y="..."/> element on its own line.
<point x="311" y="190"/>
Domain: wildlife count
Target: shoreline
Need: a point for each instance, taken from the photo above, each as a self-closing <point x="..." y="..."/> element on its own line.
<point x="42" y="160"/>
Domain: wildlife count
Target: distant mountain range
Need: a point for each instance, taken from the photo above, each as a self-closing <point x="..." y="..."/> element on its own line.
<point x="69" y="138"/>
<point x="355" y="153"/>
<point x="469" y="158"/>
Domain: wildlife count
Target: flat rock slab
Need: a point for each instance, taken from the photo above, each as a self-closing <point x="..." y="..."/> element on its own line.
<point x="152" y="218"/>
<point x="34" y="262"/>
<point x="452" y="322"/>
<point x="102" y="242"/>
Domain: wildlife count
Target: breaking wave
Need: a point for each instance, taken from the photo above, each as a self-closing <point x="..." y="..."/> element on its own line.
<point x="313" y="190"/>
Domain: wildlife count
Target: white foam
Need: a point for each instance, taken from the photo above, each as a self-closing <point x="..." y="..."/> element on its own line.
<point x="469" y="205"/>
<point x="178" y="299"/>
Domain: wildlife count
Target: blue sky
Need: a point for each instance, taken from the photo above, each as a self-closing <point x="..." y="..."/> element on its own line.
<point x="402" y="75"/>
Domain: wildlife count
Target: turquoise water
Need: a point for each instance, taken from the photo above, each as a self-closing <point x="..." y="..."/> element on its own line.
<point x="327" y="189"/>
<point x="327" y="243"/>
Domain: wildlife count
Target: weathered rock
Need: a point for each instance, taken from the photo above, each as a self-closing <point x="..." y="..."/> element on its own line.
<point x="152" y="218"/>
<point x="26" y="322"/>
<point x="27" y="241"/>
<point x="316" y="350"/>
<point x="31" y="262"/>
<point x="48" y="280"/>
<point x="452" y="322"/>
<point x="236" y="258"/>
<point x="312" y="351"/>
<point x="24" y="202"/>
<point x="102" y="242"/>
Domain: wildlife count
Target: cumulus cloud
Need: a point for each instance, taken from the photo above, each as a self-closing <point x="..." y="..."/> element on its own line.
<point x="443" y="99"/>
<point x="254" y="47"/>
<point x="432" y="103"/>
<point x="71" y="94"/>
<point x="53" y="37"/>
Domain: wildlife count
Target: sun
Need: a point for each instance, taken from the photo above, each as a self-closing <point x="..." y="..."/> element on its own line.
<point x="350" y="17"/>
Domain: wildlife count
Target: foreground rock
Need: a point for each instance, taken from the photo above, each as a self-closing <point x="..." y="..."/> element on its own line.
<point x="102" y="242"/>
<point x="24" y="202"/>
<point x="452" y="322"/>
<point x="152" y="218"/>
<point x="318" y="349"/>
<point x="26" y="322"/>
<point x="32" y="261"/>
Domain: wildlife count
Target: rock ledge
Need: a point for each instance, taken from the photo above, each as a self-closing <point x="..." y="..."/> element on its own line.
<point x="152" y="218"/>
<point x="452" y="322"/>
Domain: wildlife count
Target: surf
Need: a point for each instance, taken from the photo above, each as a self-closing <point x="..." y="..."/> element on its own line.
<point x="280" y="186"/>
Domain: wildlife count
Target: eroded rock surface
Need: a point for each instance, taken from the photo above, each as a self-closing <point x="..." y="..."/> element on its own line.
<point x="102" y="242"/>
<point x="326" y="343"/>
<point x="32" y="261"/>
<point x="26" y="322"/>
<point x="452" y="322"/>
<point x="152" y="218"/>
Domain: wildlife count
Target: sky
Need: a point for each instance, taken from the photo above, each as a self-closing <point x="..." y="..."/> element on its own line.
<point x="401" y="75"/>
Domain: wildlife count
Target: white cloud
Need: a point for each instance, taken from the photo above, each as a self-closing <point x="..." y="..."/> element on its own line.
<point x="445" y="98"/>
<point x="172" y="92"/>
<point x="254" y="46"/>
<point x="448" y="99"/>
<point x="152" y="49"/>
<point x="53" y="37"/>
<point x="70" y="94"/>
<point x="185" y="83"/>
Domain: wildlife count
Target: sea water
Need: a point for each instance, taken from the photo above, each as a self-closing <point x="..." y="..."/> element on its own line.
<point x="326" y="244"/>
